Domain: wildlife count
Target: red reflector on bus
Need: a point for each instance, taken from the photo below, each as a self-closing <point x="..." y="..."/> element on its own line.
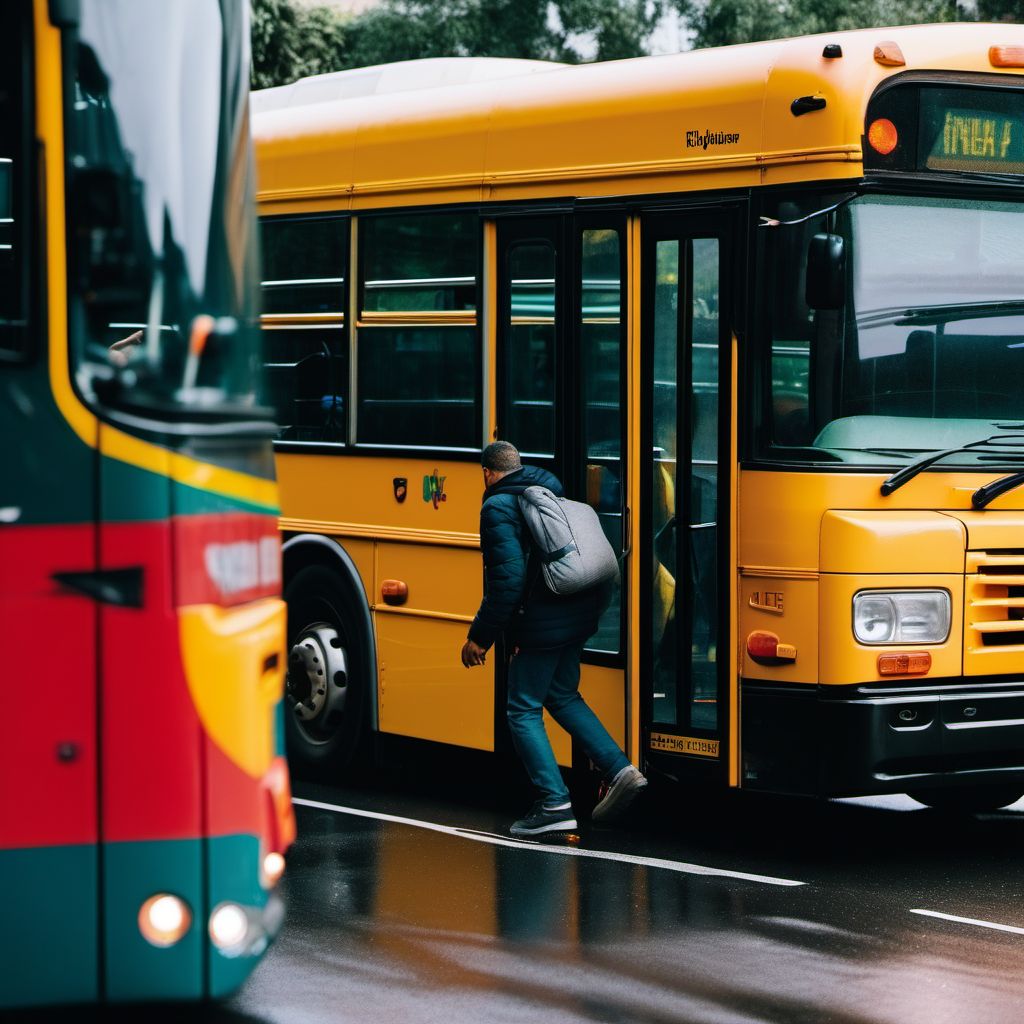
<point x="1006" y="56"/>
<point x="882" y="136"/>
<point x="916" y="664"/>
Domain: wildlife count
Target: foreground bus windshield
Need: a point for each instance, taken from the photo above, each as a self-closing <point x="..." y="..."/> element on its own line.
<point x="927" y="349"/>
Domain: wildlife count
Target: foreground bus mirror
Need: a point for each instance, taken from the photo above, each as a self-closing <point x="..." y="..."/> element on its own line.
<point x="826" y="272"/>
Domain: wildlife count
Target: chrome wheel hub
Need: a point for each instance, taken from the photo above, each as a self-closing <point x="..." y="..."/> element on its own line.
<point x="317" y="675"/>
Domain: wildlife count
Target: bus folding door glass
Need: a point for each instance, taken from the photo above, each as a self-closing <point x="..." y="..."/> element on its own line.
<point x="600" y="378"/>
<point x="703" y="512"/>
<point x="305" y="341"/>
<point x="419" y="358"/>
<point x="530" y="370"/>
<point x="663" y="480"/>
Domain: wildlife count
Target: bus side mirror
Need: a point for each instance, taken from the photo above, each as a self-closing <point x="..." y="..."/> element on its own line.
<point x="826" y="272"/>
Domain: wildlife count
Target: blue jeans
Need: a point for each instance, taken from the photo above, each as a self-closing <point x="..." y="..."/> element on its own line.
<point x="550" y="679"/>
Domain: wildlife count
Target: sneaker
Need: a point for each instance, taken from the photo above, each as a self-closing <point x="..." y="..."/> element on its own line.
<point x="621" y="793"/>
<point x="544" y="819"/>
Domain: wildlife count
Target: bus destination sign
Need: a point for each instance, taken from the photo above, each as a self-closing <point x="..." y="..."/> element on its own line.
<point x="971" y="138"/>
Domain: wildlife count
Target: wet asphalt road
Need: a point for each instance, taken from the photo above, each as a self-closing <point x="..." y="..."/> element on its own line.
<point x="689" y="913"/>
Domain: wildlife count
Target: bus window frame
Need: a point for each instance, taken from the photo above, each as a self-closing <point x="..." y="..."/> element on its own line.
<point x="358" y="275"/>
<point x="345" y="219"/>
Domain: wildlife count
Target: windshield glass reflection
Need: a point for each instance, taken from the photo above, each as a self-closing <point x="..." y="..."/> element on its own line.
<point x="161" y="253"/>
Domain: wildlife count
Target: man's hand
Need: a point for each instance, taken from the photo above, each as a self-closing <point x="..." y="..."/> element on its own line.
<point x="473" y="654"/>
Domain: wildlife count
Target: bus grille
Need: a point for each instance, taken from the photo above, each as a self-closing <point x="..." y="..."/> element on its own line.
<point x="995" y="612"/>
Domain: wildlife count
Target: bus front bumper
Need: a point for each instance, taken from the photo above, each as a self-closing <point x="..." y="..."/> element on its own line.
<point x="866" y="739"/>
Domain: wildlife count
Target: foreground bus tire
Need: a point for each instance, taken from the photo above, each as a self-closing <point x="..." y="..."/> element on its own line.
<point x="968" y="799"/>
<point x="326" y="689"/>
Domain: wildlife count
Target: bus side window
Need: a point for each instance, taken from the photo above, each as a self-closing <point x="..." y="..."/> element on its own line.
<point x="418" y="339"/>
<point x="305" y="341"/>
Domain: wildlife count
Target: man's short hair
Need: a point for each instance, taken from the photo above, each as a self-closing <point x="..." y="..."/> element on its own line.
<point x="501" y="457"/>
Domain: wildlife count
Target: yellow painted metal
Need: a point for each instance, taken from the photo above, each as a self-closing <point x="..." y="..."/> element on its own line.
<point x="631" y="570"/>
<point x="734" y="654"/>
<point x="843" y="660"/>
<point x="225" y="652"/>
<point x="792" y="617"/>
<point x="490" y="322"/>
<point x="424" y="689"/>
<point x="603" y="129"/>
<point x="891" y="541"/>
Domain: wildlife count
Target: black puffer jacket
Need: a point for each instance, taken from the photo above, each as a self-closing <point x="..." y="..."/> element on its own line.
<point x="546" y="620"/>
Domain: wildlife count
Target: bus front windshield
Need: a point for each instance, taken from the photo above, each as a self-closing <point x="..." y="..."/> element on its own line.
<point x="162" y="267"/>
<point x="925" y="351"/>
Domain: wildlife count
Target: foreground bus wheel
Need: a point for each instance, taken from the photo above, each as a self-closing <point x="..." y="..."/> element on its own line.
<point x="968" y="799"/>
<point x="325" y="690"/>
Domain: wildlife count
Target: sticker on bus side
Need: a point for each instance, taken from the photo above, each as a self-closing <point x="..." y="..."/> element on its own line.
<point x="684" y="745"/>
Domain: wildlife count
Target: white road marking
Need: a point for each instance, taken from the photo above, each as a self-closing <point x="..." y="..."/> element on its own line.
<point x="971" y="920"/>
<point x="565" y="851"/>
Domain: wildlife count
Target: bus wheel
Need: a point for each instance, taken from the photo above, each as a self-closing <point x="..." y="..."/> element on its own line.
<point x="969" y="799"/>
<point x="325" y="689"/>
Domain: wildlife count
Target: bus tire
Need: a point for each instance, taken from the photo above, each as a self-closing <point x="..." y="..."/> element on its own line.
<point x="326" y="689"/>
<point x="969" y="799"/>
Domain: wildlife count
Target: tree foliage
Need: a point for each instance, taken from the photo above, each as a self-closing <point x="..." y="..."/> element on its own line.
<point x="722" y="22"/>
<point x="290" y="41"/>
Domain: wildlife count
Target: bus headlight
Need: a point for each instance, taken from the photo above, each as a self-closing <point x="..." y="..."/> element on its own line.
<point x="901" y="616"/>
<point x="164" y="919"/>
<point x="229" y="926"/>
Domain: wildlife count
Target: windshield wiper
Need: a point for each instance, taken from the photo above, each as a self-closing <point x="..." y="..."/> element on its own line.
<point x="908" y="472"/>
<point x="989" y="492"/>
<point x="941" y="313"/>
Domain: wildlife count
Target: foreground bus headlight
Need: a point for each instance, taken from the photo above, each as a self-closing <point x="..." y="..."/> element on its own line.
<point x="901" y="616"/>
<point x="164" y="919"/>
<point x="229" y="927"/>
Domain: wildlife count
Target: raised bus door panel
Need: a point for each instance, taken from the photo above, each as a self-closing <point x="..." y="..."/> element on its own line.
<point x="685" y="446"/>
<point x="561" y="356"/>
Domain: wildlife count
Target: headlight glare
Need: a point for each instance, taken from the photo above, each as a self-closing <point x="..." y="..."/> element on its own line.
<point x="901" y="616"/>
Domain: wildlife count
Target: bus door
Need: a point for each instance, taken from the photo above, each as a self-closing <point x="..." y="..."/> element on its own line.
<point x="685" y="446"/>
<point x="560" y="399"/>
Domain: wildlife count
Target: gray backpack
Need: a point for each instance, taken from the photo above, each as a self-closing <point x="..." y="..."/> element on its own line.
<point x="574" y="552"/>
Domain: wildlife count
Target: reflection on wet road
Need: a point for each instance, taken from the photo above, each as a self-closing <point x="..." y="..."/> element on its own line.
<point x="391" y="920"/>
<point x="406" y="904"/>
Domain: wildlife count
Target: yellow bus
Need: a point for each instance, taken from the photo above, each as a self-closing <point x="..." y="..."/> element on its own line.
<point x="761" y="306"/>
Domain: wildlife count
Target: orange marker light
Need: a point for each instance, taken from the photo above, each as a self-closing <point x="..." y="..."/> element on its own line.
<point x="889" y="55"/>
<point x="916" y="664"/>
<point x="1006" y="56"/>
<point x="882" y="136"/>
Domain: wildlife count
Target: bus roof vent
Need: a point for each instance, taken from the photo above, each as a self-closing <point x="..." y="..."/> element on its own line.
<point x="404" y="76"/>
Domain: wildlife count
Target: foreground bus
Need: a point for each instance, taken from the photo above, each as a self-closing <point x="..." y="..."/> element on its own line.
<point x="144" y="802"/>
<point x="760" y="306"/>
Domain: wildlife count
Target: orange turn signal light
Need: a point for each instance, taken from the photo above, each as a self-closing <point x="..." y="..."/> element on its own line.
<point x="904" y="664"/>
<point x="882" y="136"/>
<point x="394" y="591"/>
<point x="889" y="54"/>
<point x="1006" y="56"/>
